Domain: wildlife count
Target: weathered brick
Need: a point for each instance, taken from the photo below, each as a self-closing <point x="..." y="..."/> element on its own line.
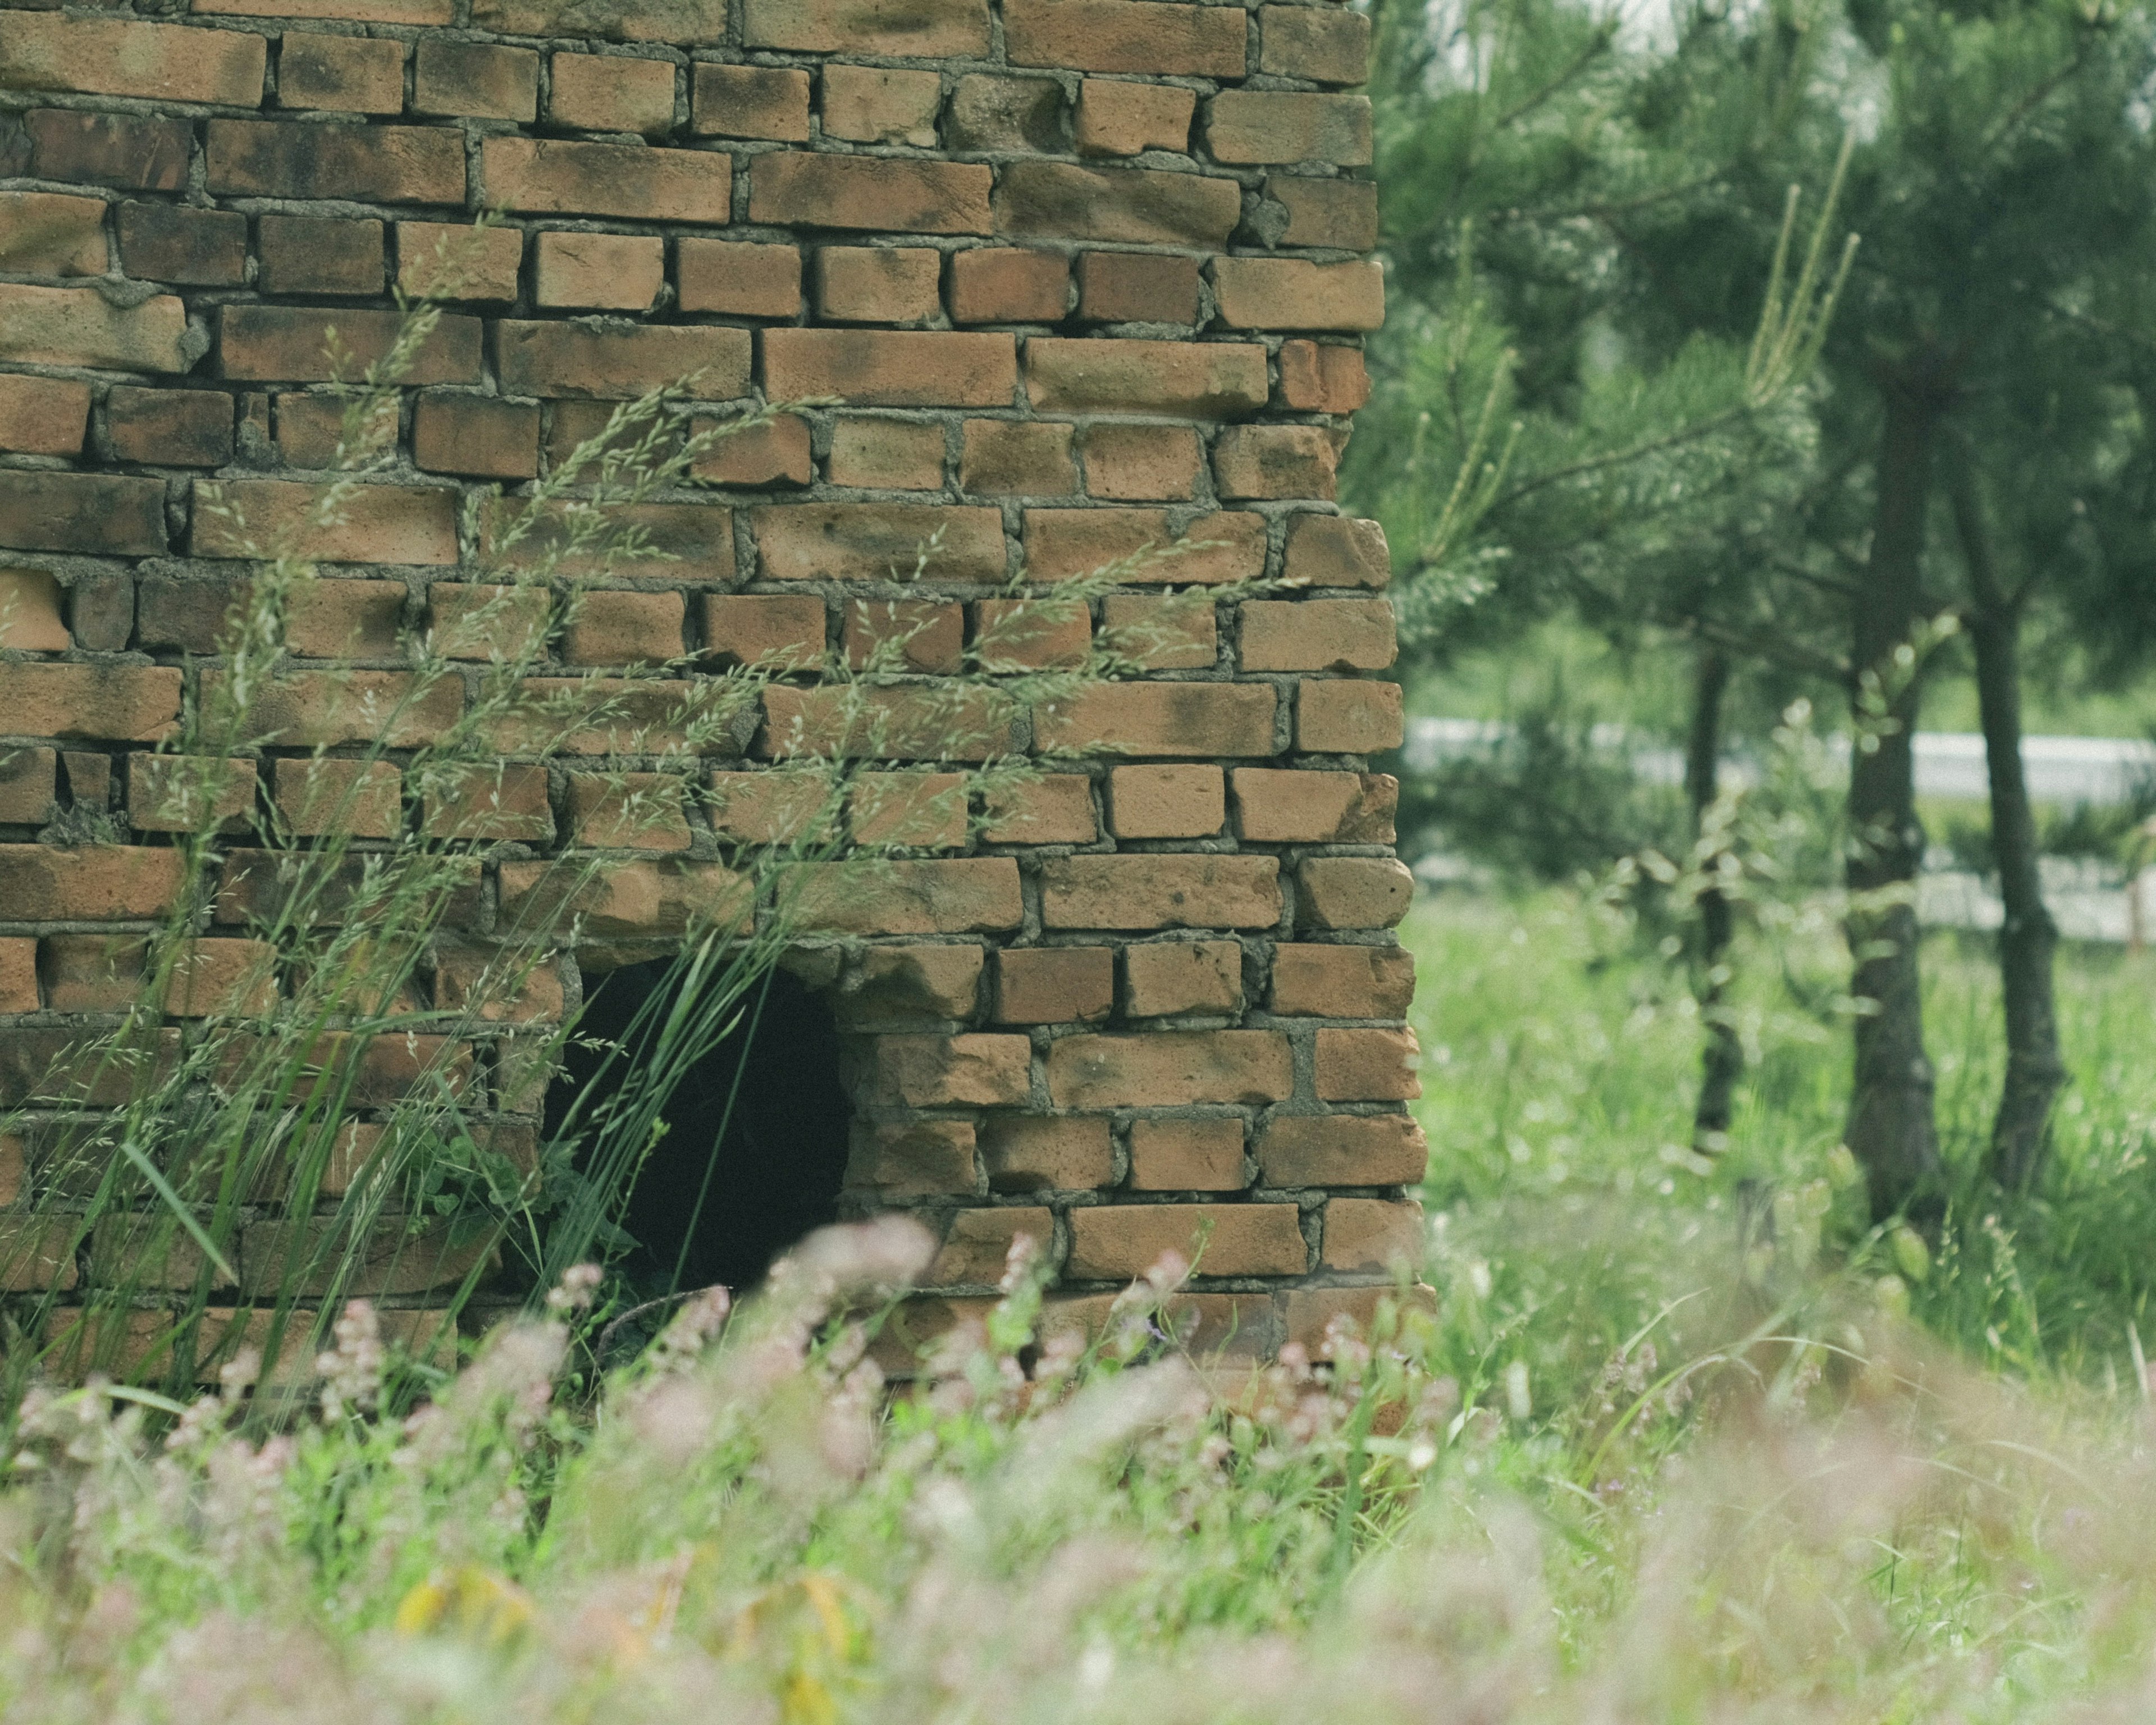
<point x="18" y="993"/>
<point x="1274" y="461"/>
<point x="290" y="345"/>
<point x="1160" y="892"/>
<point x="470" y="78"/>
<point x="1342" y="982"/>
<point x="1008" y="284"/>
<point x="324" y="709"/>
<point x="1055" y="809"/>
<point x="1204" y="719"/>
<point x="567" y="359"/>
<point x="1062" y="200"/>
<point x="1274" y="126"/>
<point x="919" y="811"/>
<point x="1162" y="978"/>
<point x="378" y="164"/>
<point x="1054" y="985"/>
<point x="624" y="628"/>
<point x="42" y="416"/>
<point x="507" y="984"/>
<point x="739" y="278"/>
<point x="1168" y="1069"/>
<point x="886" y="455"/>
<point x="1367" y="1235"/>
<point x="446" y="260"/>
<point x="346" y="74"/>
<point x="1174" y="380"/>
<point x="1137" y="287"/>
<point x="993" y="113"/>
<point x="1180" y="802"/>
<point x="307" y="1257"/>
<point x="613" y="272"/>
<point x="1214" y="1328"/>
<point x="172" y="243"/>
<point x="79" y="1066"/>
<point x="303" y="255"/>
<point x="1133" y="462"/>
<point x="951" y="896"/>
<point x="371" y="524"/>
<point x="476" y="436"/>
<point x="1118" y="1242"/>
<point x="38" y="1253"/>
<point x="47" y="233"/>
<point x="1046" y="1153"/>
<point x="1274" y="807"/>
<point x="629" y="811"/>
<point x="30" y="612"/>
<point x="916" y="721"/>
<point x="1126" y="36"/>
<point x="898" y="987"/>
<point x="1173" y="632"/>
<point x="877" y="542"/>
<point x="213" y="978"/>
<point x="261" y="888"/>
<point x="881" y="104"/>
<point x="486" y="620"/>
<point x="1187" y="1156"/>
<point x="1117" y="119"/>
<point x="362" y="798"/>
<point x="694" y="541"/>
<point x="1326" y="44"/>
<point x="976" y="1069"/>
<point x="666" y="895"/>
<point x="1005" y="458"/>
<point x="493" y="800"/>
<point x="88" y="513"/>
<point x="323" y="619"/>
<point x="1348" y="716"/>
<point x="921" y="1159"/>
<point x="1030" y="634"/>
<point x="913" y="197"/>
<point x="1228" y="545"/>
<point x="80" y="327"/>
<point x="690" y="23"/>
<point x="1317" y="634"/>
<point x="1353" y="891"/>
<point x="170" y="428"/>
<point x="1366" y="1065"/>
<point x="774" y="629"/>
<point x="775" y="808"/>
<point x="1335" y="551"/>
<point x="610" y="715"/>
<point x="751" y="102"/>
<point x="878" y="284"/>
<point x="101" y="883"/>
<point x="609" y="92"/>
<point x="128" y="150"/>
<point x="776" y="452"/>
<point x="635" y="181"/>
<point x="27" y="780"/>
<point x="1321" y="379"/>
<point x="929" y="29"/>
<point x="1295" y="294"/>
<point x="1341" y="1150"/>
<point x="364" y="12"/>
<point x="1341" y="215"/>
<point x="158" y="63"/>
<point x="184" y="794"/>
<point x="977" y="1245"/>
<point x="925" y="635"/>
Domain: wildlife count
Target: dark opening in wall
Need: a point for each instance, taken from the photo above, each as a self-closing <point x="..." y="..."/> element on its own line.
<point x="756" y="1130"/>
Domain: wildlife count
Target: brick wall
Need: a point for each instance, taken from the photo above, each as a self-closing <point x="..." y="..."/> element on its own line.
<point x="1078" y="275"/>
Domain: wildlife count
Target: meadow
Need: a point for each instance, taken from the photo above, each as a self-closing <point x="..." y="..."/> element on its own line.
<point x="1683" y="1441"/>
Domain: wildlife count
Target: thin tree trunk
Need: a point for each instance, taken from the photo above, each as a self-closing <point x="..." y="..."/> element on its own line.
<point x="2034" y="1074"/>
<point x="1891" y="1129"/>
<point x="1721" y="1056"/>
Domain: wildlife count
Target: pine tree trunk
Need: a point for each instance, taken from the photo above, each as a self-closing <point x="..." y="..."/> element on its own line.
<point x="1891" y="1129"/>
<point x="1722" y="1056"/>
<point x="2034" y="1074"/>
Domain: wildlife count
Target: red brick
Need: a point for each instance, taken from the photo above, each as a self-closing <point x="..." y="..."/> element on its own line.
<point x="1341" y="215"/>
<point x="87" y="777"/>
<point x="1316" y="379"/>
<point x="775" y="808"/>
<point x="1353" y="891"/>
<point x="1295" y="294"/>
<point x="114" y="703"/>
<point x="1006" y="458"/>
<point x="475" y="434"/>
<point x="486" y="620"/>
<point x="899" y="986"/>
<point x="1162" y="978"/>
<point x="1335" y="551"/>
<point x="128" y="150"/>
<point x="1172" y="380"/>
<point x="1317" y="634"/>
<point x="1060" y="543"/>
<point x="691" y="22"/>
<point x="665" y="896"/>
<point x="1324" y="44"/>
<point x="773" y="452"/>
<point x="917" y="811"/>
<point x="631" y="182"/>
<point x="46" y="233"/>
<point x="376" y="164"/>
<point x="878" y="284"/>
<point x="1273" y="462"/>
<point x="751" y="102"/>
<point x="27" y="782"/>
<point x="876" y="542"/>
<point x="306" y="1258"/>
<point x="951" y="1072"/>
<point x="183" y="793"/>
<point x="1137" y="287"/>
<point x="1182" y="802"/>
<point x="303" y="255"/>
<point x="921" y="1159"/>
<point x="1315" y="806"/>
<point x="101" y="883"/>
<point x="170" y="241"/>
<point x="365" y="11"/>
<point x="90" y="972"/>
<point x="1008" y="284"/>
<point x="1360" y="1065"/>
<point x="612" y="272"/>
<point x="1062" y="200"/>
<point x="928" y="29"/>
<point x="497" y="984"/>
<point x="37" y="1255"/>
<point x="1160" y="891"/>
<point x="1046" y="1154"/>
<point x="597" y="92"/>
<point x="1368" y="1236"/>
<point x="1126" y="36"/>
<point x="18" y="993"/>
<point x="1348" y="717"/>
<point x="879" y="193"/>
<point x="1118" y="1242"/>
<point x="565" y="359"/>
<point x="976" y="1246"/>
<point x="286" y="344"/>
<point x="952" y="895"/>
<point x="774" y="629"/>
<point x="1342" y="982"/>
<point x="629" y="811"/>
<point x="1116" y="119"/>
<point x="993" y="113"/>
<point x="213" y="978"/>
<point x="1343" y="1150"/>
<point x="891" y="369"/>
<point x="30" y="619"/>
<point x="158" y="63"/>
<point x="925" y="635"/>
<point x="887" y="455"/>
<point x="1174" y="632"/>
<point x="447" y="260"/>
<point x="1274" y="126"/>
<point x="170" y="428"/>
<point x="1055" y="809"/>
<point x="372" y="524"/>
<point x="78" y="327"/>
<point x="611" y="715"/>
<point x="42" y="416"/>
<point x="624" y="628"/>
<point x="82" y="513"/>
<point x="903" y="722"/>
<point x="311" y="429"/>
<point x="881" y="104"/>
<point x="739" y="278"/>
<point x="1054" y="985"/>
<point x="1187" y="1156"/>
<point x="346" y="74"/>
<point x="361" y="797"/>
<point x="1133" y="462"/>
<point x="1030" y="634"/>
<point x="333" y="709"/>
<point x="467" y="78"/>
<point x="1201" y="719"/>
<point x="323" y="619"/>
